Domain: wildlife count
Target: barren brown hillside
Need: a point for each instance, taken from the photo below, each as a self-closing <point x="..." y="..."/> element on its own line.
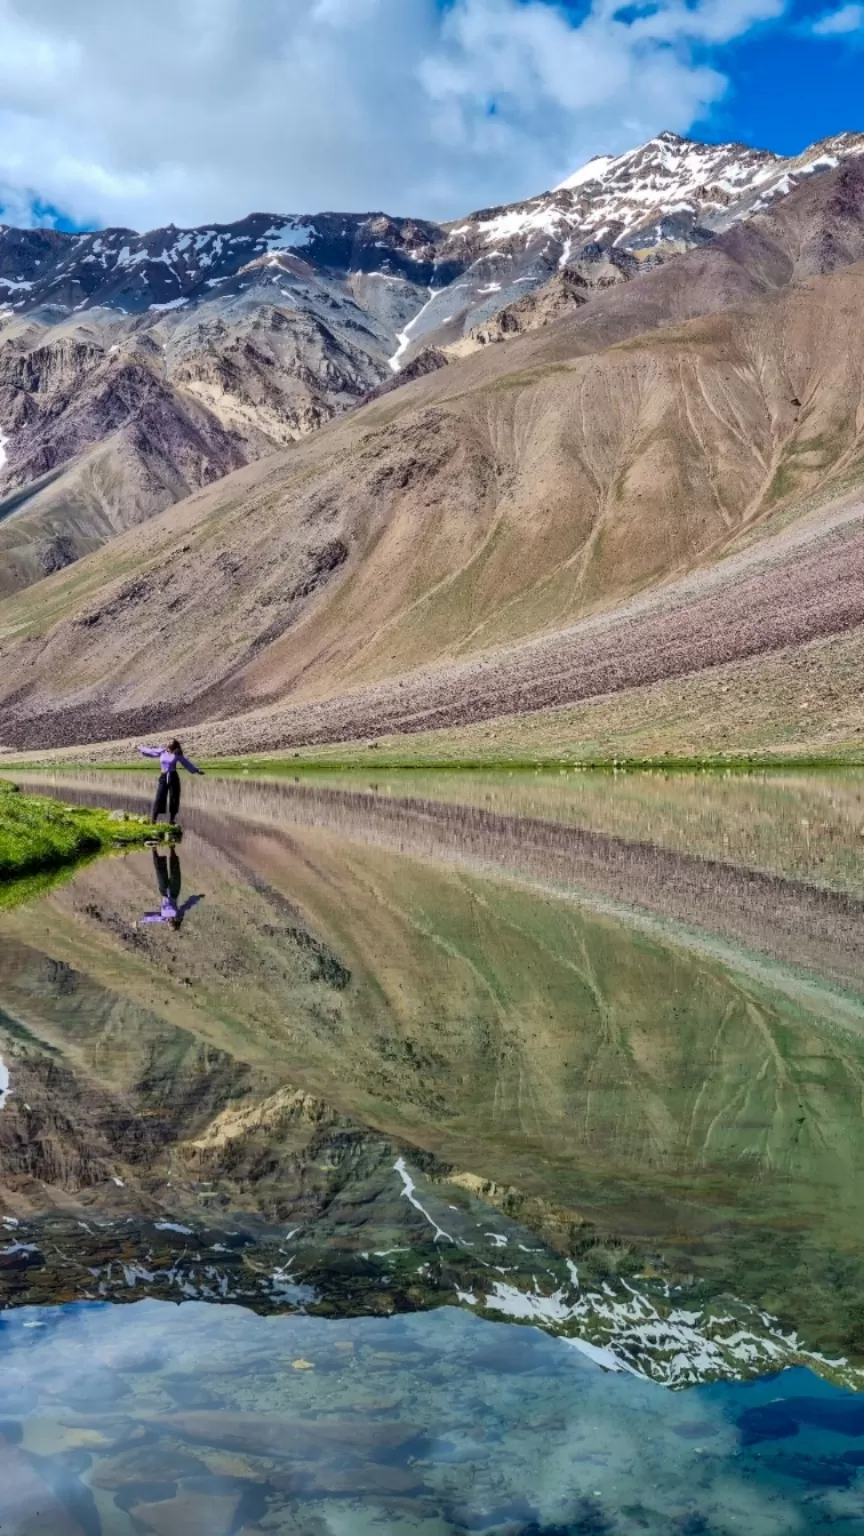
<point x="510" y="496"/>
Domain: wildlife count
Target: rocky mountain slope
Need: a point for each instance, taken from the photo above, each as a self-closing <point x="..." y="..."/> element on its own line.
<point x="136" y="368"/>
<point x="815" y="230"/>
<point x="616" y="218"/>
<point x="521" y="492"/>
<point x="109" y="422"/>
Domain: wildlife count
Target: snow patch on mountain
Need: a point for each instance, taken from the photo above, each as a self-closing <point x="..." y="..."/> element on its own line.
<point x="406" y="336"/>
<point x="593" y="170"/>
<point x="409" y="1192"/>
<point x="630" y="1330"/>
<point x="288" y="236"/>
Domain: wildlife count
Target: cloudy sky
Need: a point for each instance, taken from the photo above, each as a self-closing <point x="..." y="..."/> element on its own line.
<point x="145" y="112"/>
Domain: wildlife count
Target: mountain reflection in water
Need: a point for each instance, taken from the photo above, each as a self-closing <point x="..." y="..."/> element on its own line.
<point x="575" y="1051"/>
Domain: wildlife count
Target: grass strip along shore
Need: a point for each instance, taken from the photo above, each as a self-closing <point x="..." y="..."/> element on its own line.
<point x="42" y="840"/>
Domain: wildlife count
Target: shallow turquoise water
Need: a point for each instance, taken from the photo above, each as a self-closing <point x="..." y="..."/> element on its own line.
<point x="474" y="1156"/>
<point x="154" y="1417"/>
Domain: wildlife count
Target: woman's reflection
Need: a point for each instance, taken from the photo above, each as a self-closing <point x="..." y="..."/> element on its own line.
<point x="168" y="879"/>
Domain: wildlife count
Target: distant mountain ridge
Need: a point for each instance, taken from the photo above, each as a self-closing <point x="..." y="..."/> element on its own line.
<point x="671" y="190"/>
<point x="51" y="274"/>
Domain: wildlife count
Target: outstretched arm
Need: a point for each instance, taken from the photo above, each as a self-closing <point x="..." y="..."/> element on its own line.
<point x="150" y="751"/>
<point x="190" y="767"/>
<point x="191" y="901"/>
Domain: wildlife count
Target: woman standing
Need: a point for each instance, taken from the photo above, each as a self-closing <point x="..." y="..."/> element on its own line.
<point x="168" y="789"/>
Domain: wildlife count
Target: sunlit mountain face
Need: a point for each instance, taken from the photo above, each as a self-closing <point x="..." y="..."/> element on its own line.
<point x="137" y="368"/>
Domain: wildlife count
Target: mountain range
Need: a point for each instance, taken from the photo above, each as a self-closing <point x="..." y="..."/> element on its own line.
<point x="388" y="522"/>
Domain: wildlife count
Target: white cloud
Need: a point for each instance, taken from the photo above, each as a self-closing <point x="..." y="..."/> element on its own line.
<point x="189" y="111"/>
<point x="848" y="19"/>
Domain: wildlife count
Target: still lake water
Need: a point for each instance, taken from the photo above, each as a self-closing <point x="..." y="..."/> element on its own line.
<point x="478" y="1153"/>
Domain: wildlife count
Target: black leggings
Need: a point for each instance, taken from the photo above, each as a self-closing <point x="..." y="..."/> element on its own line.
<point x="168" y="877"/>
<point x="167" y="796"/>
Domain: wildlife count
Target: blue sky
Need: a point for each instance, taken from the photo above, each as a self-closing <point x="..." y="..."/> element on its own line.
<point x="787" y="87"/>
<point x="195" y="111"/>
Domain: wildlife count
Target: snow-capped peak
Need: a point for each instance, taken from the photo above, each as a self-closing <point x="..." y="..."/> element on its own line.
<point x="593" y="170"/>
<point x="675" y="156"/>
<point x="669" y="192"/>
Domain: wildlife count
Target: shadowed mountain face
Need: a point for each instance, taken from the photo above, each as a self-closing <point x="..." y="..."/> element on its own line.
<point x="620" y="1026"/>
<point x="135" y="369"/>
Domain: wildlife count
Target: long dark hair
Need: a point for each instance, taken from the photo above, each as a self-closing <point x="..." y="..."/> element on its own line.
<point x="174" y="746"/>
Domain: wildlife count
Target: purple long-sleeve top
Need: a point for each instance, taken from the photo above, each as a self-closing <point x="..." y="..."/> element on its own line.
<point x="170" y="910"/>
<point x="169" y="761"/>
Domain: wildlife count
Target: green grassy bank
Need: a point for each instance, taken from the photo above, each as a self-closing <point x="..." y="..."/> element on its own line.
<point x="39" y="837"/>
<point x="369" y="763"/>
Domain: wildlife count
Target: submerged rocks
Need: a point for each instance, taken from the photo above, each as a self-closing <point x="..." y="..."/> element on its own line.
<point x="89" y="1390"/>
<point x="302" y="1439"/>
<point x="189" y="1514"/>
<point x="146" y="1463"/>
<point x="368" y="1477"/>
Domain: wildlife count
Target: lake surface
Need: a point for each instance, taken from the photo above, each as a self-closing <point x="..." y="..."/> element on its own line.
<point x="477" y="1152"/>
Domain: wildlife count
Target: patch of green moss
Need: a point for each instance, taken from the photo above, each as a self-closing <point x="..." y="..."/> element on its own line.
<point x="17" y="892"/>
<point x="38" y="835"/>
<point x="686" y="335"/>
